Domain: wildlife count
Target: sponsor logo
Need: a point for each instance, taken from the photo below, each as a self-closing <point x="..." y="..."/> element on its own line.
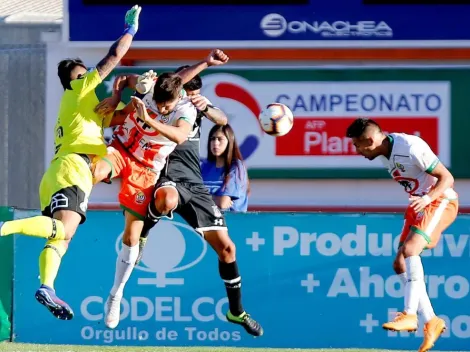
<point x="275" y="25"/>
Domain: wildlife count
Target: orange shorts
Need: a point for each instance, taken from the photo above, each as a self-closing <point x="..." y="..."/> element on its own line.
<point x="137" y="180"/>
<point x="431" y="222"/>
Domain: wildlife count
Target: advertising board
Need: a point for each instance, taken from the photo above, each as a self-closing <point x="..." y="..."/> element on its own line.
<point x="279" y="23"/>
<point x="314" y="269"/>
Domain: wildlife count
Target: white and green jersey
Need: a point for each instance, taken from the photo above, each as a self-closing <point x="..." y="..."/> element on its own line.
<point x="410" y="164"/>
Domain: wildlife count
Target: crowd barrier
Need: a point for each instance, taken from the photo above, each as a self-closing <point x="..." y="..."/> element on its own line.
<point x="313" y="280"/>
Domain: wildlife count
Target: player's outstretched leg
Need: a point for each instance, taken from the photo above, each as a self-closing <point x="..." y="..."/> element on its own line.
<point x="125" y="264"/>
<point x="228" y="269"/>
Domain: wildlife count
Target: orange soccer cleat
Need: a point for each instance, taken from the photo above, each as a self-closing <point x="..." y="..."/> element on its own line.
<point x="432" y="330"/>
<point x="403" y="322"/>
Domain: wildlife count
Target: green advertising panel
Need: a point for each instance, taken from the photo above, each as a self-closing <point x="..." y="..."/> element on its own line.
<point x="430" y="102"/>
<point x="6" y="277"/>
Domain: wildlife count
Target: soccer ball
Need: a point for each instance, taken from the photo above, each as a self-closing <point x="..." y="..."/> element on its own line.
<point x="276" y="119"/>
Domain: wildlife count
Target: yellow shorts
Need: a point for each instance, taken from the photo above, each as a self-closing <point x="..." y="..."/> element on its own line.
<point x="66" y="185"/>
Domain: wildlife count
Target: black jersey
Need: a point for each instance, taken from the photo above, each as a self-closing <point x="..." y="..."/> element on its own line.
<point x="184" y="164"/>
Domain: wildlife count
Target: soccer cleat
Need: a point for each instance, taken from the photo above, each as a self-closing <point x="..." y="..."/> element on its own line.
<point x="251" y="326"/>
<point x="432" y="330"/>
<point x="142" y="243"/>
<point x="47" y="297"/>
<point x="402" y="322"/>
<point x="112" y="311"/>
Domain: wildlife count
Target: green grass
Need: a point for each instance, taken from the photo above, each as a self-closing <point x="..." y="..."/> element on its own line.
<point x="14" y="347"/>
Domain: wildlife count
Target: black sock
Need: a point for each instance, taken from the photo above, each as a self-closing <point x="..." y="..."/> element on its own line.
<point x="148" y="225"/>
<point x="233" y="282"/>
<point x="152" y="218"/>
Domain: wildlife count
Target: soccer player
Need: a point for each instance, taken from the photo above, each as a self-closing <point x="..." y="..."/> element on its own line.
<point x="181" y="190"/>
<point x="138" y="153"/>
<point x="433" y="207"/>
<point x="67" y="183"/>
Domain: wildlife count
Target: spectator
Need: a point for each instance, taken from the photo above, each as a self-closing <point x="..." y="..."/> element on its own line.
<point x="224" y="172"/>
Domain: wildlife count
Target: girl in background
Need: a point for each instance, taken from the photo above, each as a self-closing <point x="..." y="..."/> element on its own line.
<point x="224" y="172"/>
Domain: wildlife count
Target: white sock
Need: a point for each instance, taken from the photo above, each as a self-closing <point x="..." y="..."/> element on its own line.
<point x="425" y="307"/>
<point x="415" y="287"/>
<point x="124" y="265"/>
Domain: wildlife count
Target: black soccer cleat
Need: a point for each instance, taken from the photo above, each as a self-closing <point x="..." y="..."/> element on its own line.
<point x="249" y="324"/>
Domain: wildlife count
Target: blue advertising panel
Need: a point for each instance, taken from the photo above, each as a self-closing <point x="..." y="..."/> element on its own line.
<point x="316" y="270"/>
<point x="277" y="24"/>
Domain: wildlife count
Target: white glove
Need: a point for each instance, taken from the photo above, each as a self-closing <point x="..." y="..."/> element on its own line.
<point x="145" y="82"/>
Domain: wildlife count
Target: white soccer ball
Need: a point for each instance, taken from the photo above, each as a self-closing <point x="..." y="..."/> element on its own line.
<point x="276" y="119"/>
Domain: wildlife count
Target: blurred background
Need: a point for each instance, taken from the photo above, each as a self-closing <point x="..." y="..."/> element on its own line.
<point x="329" y="61"/>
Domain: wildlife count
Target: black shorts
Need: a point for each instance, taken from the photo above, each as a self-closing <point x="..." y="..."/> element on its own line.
<point x="195" y="206"/>
<point x="70" y="198"/>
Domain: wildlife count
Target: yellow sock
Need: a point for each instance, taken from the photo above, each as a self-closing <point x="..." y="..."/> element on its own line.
<point x="49" y="261"/>
<point x="37" y="226"/>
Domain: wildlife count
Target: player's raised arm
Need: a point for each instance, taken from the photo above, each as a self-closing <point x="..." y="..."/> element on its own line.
<point x="216" y="58"/>
<point x="139" y="83"/>
<point x="214" y="114"/>
<point x="122" y="45"/>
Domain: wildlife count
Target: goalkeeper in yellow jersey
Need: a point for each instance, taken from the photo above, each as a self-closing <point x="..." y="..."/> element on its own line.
<point x="67" y="183"/>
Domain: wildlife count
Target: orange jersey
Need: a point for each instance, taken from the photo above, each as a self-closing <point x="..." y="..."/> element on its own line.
<point x="143" y="142"/>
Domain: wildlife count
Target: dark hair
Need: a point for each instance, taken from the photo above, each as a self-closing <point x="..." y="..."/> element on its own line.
<point x="231" y="154"/>
<point x="65" y="68"/>
<point x="167" y="88"/>
<point x="194" y="84"/>
<point x="359" y="126"/>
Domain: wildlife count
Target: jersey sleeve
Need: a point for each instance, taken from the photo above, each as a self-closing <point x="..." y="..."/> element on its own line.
<point x="187" y="113"/>
<point x="423" y="156"/>
<point x="237" y="182"/>
<point x="87" y="83"/>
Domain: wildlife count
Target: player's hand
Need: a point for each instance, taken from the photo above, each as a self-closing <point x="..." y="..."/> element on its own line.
<point x="199" y="102"/>
<point x="107" y="106"/>
<point x="419" y="203"/>
<point x="216" y="58"/>
<point x="145" y="82"/>
<point x="140" y="109"/>
<point x="132" y="18"/>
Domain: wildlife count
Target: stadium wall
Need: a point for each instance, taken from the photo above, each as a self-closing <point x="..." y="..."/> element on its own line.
<point x="316" y="269"/>
<point x="297" y="190"/>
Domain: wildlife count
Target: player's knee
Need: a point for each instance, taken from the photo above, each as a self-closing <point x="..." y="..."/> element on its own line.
<point x="70" y="221"/>
<point x="130" y="238"/>
<point x="227" y="252"/>
<point x="411" y="248"/>
<point x="399" y="265"/>
<point x="166" y="199"/>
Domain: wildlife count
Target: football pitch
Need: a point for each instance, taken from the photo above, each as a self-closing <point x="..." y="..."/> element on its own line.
<point x="14" y="347"/>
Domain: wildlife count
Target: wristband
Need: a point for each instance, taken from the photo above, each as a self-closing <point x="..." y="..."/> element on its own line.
<point x="206" y="109"/>
<point x="130" y="30"/>
<point x="427" y="199"/>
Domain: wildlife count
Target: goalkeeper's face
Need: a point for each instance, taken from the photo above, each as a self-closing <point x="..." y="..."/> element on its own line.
<point x="77" y="72"/>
